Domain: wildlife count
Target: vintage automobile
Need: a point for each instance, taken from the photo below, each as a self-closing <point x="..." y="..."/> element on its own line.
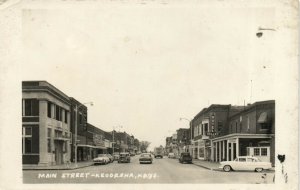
<point x="171" y="155"/>
<point x="185" y="157"/>
<point x="146" y="158"/>
<point x="101" y="159"/>
<point x="245" y="163"/>
<point x="111" y="158"/>
<point x="124" y="157"/>
<point x="116" y="155"/>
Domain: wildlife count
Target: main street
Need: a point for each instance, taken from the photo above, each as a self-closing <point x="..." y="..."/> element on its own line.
<point x="160" y="171"/>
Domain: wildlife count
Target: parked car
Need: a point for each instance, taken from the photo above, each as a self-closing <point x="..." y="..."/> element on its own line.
<point x="245" y="163"/>
<point x="101" y="159"/>
<point x="171" y="155"/>
<point x="146" y="158"/>
<point x="116" y="155"/>
<point x="124" y="157"/>
<point x="111" y="158"/>
<point x="185" y="157"/>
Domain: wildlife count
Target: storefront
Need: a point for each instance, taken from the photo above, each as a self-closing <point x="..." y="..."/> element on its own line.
<point x="230" y="146"/>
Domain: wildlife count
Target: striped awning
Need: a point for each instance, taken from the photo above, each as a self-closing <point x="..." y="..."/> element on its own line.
<point x="263" y="118"/>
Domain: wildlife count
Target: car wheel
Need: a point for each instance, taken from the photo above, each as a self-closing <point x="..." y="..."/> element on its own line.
<point x="227" y="168"/>
<point x="258" y="169"/>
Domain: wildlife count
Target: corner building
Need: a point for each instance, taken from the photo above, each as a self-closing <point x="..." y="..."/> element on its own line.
<point x="45" y="124"/>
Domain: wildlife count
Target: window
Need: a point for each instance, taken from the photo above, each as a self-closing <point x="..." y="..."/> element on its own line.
<point x="264" y="125"/>
<point x="49" y="109"/>
<point x="66" y="116"/>
<point x="49" y="130"/>
<point x="27" y="140"/>
<point x="58" y="116"/>
<point x="241" y="127"/>
<point x="80" y="118"/>
<point x="236" y="126"/>
<point x="248" y="123"/>
<point x="264" y="152"/>
<point x="30" y="107"/>
<point x="242" y="159"/>
<point x="220" y="126"/>
<point x="231" y="128"/>
<point x="256" y="151"/>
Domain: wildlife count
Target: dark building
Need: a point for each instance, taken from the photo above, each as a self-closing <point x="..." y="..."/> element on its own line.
<point x="183" y="139"/>
<point x="251" y="132"/>
<point x="210" y="123"/>
<point x="83" y="151"/>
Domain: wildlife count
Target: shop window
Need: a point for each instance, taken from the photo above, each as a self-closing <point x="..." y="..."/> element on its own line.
<point x="201" y="152"/>
<point x="30" y="107"/>
<point x="256" y="151"/>
<point x="264" y="152"/>
<point x="27" y="140"/>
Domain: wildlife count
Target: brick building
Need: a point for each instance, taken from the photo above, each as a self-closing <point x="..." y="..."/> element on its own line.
<point x="250" y="132"/>
<point x="209" y="123"/>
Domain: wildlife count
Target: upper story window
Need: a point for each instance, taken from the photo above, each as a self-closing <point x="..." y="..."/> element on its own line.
<point x="30" y="107"/>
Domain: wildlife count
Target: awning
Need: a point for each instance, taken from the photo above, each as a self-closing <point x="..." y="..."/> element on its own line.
<point x="263" y="118"/>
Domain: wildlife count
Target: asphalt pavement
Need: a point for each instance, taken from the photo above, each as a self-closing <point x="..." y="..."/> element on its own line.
<point x="163" y="170"/>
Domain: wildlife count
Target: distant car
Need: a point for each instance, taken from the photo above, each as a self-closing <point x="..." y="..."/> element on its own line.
<point x="132" y="154"/>
<point x="146" y="158"/>
<point x="101" y="159"/>
<point x="124" y="157"/>
<point x="185" y="157"/>
<point x="116" y="156"/>
<point x="245" y="163"/>
<point x="111" y="158"/>
<point x="171" y="155"/>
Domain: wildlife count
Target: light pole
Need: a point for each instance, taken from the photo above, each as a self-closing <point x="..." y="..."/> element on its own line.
<point x="119" y="126"/>
<point x="76" y="112"/>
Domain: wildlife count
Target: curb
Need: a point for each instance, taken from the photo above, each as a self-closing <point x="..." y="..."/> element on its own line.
<point x="212" y="169"/>
<point x="57" y="168"/>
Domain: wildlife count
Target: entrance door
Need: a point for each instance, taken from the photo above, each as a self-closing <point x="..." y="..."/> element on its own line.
<point x="58" y="153"/>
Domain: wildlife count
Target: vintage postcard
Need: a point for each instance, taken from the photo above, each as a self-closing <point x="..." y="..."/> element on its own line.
<point x="149" y="94"/>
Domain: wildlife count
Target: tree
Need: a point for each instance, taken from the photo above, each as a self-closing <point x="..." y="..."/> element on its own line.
<point x="144" y="145"/>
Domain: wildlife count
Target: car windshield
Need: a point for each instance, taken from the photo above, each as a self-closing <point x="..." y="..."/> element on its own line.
<point x="146" y="155"/>
<point x="101" y="155"/>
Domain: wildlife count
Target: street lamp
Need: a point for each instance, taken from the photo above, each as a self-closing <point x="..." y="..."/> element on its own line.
<point x="76" y="112"/>
<point x="260" y="33"/>
<point x="114" y="136"/>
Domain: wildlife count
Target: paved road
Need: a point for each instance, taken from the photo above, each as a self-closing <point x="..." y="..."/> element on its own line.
<point x="161" y="171"/>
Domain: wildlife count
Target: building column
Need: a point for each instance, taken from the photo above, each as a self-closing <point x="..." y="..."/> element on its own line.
<point x="212" y="151"/>
<point x="220" y="150"/>
<point x="223" y="152"/>
<point x="231" y="151"/>
<point x="237" y="147"/>
<point x="227" y="151"/>
<point x="43" y="133"/>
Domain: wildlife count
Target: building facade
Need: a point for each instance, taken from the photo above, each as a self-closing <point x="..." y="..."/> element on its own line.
<point x="209" y="123"/>
<point x="46" y="134"/>
<point x="251" y="132"/>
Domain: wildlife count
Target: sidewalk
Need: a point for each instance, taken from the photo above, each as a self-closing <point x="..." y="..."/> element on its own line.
<point x="70" y="166"/>
<point x="206" y="164"/>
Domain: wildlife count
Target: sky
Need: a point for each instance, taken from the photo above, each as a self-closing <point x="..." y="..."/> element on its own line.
<point x="145" y="67"/>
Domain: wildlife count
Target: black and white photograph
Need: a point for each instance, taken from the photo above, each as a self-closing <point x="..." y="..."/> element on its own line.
<point x="145" y="92"/>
